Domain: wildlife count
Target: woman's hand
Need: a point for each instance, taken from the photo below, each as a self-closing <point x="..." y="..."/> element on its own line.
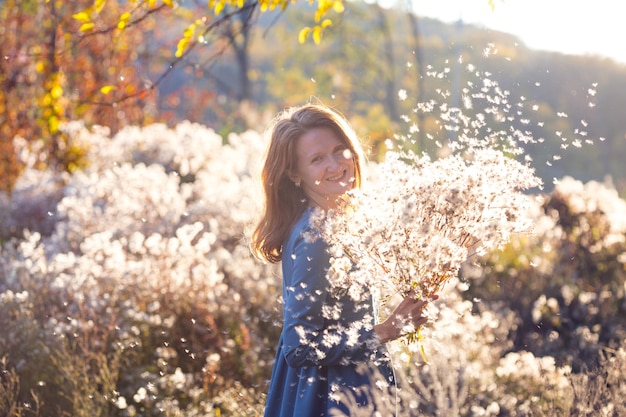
<point x="407" y="317"/>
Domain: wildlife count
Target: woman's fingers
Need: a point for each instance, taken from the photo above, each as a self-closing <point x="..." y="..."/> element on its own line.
<point x="418" y="309"/>
<point x="413" y="295"/>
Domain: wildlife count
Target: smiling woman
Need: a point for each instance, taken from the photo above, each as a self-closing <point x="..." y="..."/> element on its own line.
<point x="293" y="155"/>
<point x="325" y="167"/>
<point x="331" y="357"/>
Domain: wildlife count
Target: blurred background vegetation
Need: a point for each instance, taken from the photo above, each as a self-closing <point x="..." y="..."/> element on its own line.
<point x="121" y="63"/>
<point x="125" y="285"/>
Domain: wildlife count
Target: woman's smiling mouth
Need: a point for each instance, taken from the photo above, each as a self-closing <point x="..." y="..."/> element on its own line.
<point x="337" y="178"/>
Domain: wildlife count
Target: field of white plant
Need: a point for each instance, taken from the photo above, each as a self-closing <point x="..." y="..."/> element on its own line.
<point x="128" y="289"/>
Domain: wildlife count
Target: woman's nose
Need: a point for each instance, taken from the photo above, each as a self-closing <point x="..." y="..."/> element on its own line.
<point x="335" y="162"/>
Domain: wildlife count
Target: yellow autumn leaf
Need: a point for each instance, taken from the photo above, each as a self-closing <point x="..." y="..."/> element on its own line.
<point x="58" y="109"/>
<point x="240" y="3"/>
<point x="304" y="32"/>
<point x="82" y="17"/>
<point x="219" y="7"/>
<point x="53" y="124"/>
<point x="86" y="26"/>
<point x="151" y="3"/>
<point x="124" y="18"/>
<point x="325" y="5"/>
<point x="326" y="23"/>
<point x="188" y="33"/>
<point x="107" y="89"/>
<point x="181" y="47"/>
<point x="169" y="3"/>
<point x="338" y="7"/>
<point x="317" y="34"/>
<point x="318" y="14"/>
<point x="99" y="5"/>
<point x="56" y="92"/>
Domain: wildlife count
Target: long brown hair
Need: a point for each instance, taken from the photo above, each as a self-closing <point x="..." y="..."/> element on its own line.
<point x="284" y="202"/>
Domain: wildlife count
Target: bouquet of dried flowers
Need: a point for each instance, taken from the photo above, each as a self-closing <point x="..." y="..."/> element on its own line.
<point x="420" y="219"/>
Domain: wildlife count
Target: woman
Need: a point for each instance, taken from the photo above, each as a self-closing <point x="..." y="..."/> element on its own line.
<point x="331" y="358"/>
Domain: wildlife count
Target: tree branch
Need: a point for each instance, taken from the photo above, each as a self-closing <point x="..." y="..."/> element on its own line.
<point x="173" y="64"/>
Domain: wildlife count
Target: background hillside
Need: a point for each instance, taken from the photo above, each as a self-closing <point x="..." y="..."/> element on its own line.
<point x="391" y="72"/>
<point x="372" y="54"/>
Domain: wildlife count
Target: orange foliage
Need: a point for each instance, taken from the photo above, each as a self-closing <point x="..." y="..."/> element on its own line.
<point x="52" y="72"/>
<point x="92" y="60"/>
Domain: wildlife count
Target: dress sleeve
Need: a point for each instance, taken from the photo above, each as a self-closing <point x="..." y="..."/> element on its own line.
<point x="310" y="338"/>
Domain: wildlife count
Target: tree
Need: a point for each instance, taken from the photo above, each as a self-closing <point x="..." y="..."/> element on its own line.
<point x="387" y="69"/>
<point x="51" y="73"/>
<point x="419" y="69"/>
<point x="82" y="61"/>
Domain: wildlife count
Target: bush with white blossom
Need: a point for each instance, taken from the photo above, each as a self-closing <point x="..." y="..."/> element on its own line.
<point x="146" y="263"/>
<point x="128" y="289"/>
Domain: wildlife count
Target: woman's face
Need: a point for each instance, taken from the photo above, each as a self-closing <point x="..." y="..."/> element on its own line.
<point x="325" y="167"/>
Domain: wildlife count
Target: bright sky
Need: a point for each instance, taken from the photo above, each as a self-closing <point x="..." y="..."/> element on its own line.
<point x="580" y="27"/>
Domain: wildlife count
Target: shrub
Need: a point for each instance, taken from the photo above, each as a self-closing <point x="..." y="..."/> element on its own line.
<point x="144" y="283"/>
<point x="566" y="280"/>
<point x="128" y="289"/>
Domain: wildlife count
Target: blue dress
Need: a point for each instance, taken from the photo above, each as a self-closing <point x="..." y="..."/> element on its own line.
<point x="328" y="361"/>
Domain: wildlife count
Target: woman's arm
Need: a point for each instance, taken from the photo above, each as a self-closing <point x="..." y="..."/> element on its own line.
<point x="306" y="339"/>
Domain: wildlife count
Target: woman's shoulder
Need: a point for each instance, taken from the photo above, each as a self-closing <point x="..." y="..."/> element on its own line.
<point x="303" y="229"/>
